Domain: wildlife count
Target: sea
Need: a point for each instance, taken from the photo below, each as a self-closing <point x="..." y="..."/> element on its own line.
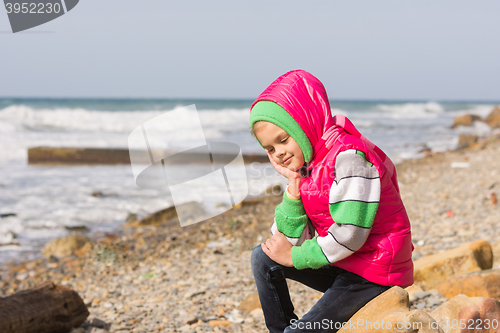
<point x="40" y="203"/>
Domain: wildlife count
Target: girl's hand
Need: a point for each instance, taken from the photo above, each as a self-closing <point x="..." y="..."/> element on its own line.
<point x="287" y="173"/>
<point x="279" y="249"/>
<point x="294" y="177"/>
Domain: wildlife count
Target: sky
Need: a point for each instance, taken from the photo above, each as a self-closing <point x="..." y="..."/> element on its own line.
<point x="359" y="49"/>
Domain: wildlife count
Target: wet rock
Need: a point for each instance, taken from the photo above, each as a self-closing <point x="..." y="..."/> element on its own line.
<point x="465" y="120"/>
<point x="480" y="284"/>
<point x="434" y="269"/>
<point x="493" y="119"/>
<point x="389" y="312"/>
<point x="468" y="310"/>
<point x="65" y="246"/>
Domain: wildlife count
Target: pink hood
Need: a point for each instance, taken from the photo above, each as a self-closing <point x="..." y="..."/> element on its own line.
<point x="304" y="97"/>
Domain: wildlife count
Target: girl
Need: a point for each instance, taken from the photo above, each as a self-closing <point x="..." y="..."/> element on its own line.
<point x="341" y="187"/>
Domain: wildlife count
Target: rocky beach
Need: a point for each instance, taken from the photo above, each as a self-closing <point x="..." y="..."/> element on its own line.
<point x="164" y="278"/>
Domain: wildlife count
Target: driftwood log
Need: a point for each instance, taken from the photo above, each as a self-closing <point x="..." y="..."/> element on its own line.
<point x="47" y="308"/>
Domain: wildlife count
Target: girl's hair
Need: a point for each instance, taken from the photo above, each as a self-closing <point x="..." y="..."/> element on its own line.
<point x="253" y="127"/>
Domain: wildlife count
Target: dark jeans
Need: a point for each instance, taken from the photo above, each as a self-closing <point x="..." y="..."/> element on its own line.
<point x="344" y="294"/>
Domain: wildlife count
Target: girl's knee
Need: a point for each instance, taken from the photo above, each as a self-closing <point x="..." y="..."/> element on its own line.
<point x="258" y="259"/>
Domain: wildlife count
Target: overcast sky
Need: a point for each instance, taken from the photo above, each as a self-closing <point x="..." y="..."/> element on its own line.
<point x="368" y="49"/>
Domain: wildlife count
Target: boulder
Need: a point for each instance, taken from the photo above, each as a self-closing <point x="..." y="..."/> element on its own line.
<point x="465" y="120"/>
<point x="493" y="119"/>
<point x="479" y="284"/>
<point x="412" y="290"/>
<point x="65" y="246"/>
<point x="389" y="312"/>
<point x="474" y="314"/>
<point x="430" y="271"/>
<point x="466" y="140"/>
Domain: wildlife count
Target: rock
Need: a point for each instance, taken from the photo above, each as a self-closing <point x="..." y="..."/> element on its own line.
<point x="496" y="255"/>
<point x="96" y="330"/>
<point x="475" y="311"/>
<point x="480" y="284"/>
<point x="389" y="312"/>
<point x="465" y="120"/>
<point x="235" y="316"/>
<point x="412" y="290"/>
<point x="250" y="303"/>
<point x="81" y="252"/>
<point x="493" y="119"/>
<point x="421" y="294"/>
<point x="99" y="323"/>
<point x="100" y="194"/>
<point x="65" y="246"/>
<point x="431" y="270"/>
<point x="109" y="239"/>
<point x="466" y="140"/>
<point x="77" y="228"/>
<point x="47" y="308"/>
<point x="257" y="314"/>
<point x="219" y="323"/>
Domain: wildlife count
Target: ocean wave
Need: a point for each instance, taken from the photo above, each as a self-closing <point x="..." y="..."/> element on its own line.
<point x="25" y="118"/>
<point x="412" y="110"/>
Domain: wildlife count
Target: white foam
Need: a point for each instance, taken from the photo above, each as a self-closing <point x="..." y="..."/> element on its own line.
<point x="411" y="110"/>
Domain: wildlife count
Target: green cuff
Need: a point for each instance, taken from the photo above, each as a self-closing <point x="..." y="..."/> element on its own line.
<point x="292" y="208"/>
<point x="291" y="218"/>
<point x="308" y="255"/>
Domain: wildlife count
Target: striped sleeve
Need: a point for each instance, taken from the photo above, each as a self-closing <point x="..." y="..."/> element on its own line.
<point x="353" y="203"/>
<point x="291" y="219"/>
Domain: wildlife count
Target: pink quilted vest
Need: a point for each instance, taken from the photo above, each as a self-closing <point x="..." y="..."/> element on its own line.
<point x="385" y="258"/>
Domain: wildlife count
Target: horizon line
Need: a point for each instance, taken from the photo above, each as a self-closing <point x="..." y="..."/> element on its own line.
<point x="252" y="99"/>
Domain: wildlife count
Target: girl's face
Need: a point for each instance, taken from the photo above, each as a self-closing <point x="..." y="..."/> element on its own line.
<point x="282" y="147"/>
